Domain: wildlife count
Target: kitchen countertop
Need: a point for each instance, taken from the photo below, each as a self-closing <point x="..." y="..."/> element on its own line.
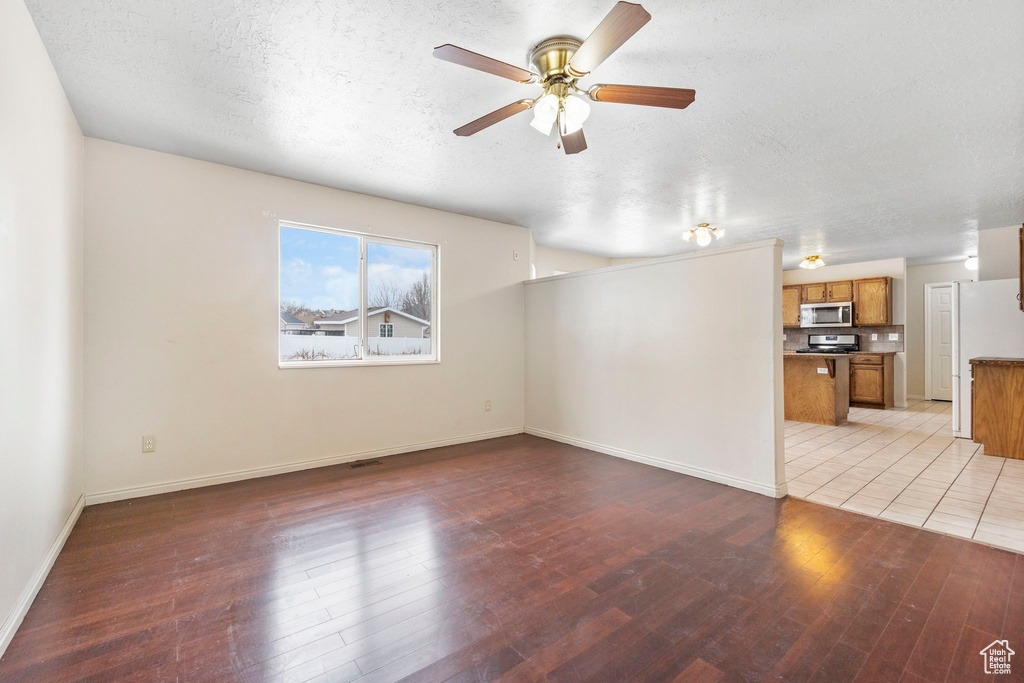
<point x="814" y="355"/>
<point x="989" y="360"/>
<point x="833" y="355"/>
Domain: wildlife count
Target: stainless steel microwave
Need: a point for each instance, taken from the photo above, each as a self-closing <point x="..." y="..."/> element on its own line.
<point x="826" y="315"/>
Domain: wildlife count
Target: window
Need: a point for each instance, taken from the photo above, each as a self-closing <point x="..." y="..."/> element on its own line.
<point x="360" y="299"/>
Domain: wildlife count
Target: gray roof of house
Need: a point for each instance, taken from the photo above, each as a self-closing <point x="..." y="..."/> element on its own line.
<point x="290" y="319"/>
<point x="338" y="316"/>
<point x="342" y="316"/>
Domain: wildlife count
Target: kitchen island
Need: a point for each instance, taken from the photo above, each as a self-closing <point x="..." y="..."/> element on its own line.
<point x="817" y="387"/>
<point x="997" y="405"/>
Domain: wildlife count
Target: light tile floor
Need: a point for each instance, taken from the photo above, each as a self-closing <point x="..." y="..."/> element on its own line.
<point x="905" y="465"/>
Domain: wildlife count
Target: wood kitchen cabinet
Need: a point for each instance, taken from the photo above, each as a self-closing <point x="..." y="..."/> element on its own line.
<point x="1020" y="295"/>
<point x="871" y="380"/>
<point x="816" y="293"/>
<point x="816" y="387"/>
<point x="840" y="291"/>
<point x="872" y="301"/>
<point x="827" y="292"/>
<point x="997" y="405"/>
<point x="871" y="297"/>
<point x="791" y="300"/>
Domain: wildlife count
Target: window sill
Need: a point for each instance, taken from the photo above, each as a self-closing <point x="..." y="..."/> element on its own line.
<point x="353" y="363"/>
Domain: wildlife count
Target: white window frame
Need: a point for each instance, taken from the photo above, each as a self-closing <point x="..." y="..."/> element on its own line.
<point x="363" y="359"/>
<point x="391" y="329"/>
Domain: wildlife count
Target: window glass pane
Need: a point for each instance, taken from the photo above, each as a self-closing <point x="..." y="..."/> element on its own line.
<point x="319" y="296"/>
<point x="399" y="297"/>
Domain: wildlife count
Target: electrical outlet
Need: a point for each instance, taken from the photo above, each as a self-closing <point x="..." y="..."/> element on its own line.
<point x="783" y="337"/>
<point x="874" y="337"/>
<point x="148" y="444"/>
<point x="895" y="336"/>
<point x="515" y="254"/>
<point x="487" y="405"/>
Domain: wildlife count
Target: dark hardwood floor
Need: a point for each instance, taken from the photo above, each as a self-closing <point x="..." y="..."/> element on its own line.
<point x="516" y="558"/>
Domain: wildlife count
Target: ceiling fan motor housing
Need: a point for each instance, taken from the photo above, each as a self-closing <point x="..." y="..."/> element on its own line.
<point x="551" y="57"/>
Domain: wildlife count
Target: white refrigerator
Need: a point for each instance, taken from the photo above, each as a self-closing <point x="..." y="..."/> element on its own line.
<point x="987" y="321"/>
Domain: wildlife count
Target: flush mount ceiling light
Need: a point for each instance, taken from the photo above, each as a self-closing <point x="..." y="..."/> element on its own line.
<point x="971" y="263"/>
<point x="703" y="233"/>
<point x="559" y="63"/>
<point x="812" y="262"/>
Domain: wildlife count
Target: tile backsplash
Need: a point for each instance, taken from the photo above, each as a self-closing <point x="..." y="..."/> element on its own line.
<point x="796" y="338"/>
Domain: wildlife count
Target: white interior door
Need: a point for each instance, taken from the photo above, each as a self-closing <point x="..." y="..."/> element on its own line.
<point x="939" y="341"/>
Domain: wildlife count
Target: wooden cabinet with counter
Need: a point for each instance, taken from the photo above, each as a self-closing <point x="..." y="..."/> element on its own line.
<point x="816" y="387"/>
<point x="871" y="380"/>
<point x="997" y="405"/>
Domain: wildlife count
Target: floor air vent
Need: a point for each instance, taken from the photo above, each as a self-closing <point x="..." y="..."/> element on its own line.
<point x="363" y="463"/>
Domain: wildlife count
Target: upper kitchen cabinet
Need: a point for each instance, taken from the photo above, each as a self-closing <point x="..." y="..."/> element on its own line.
<point x="840" y="291"/>
<point x="827" y="292"/>
<point x="791" y="300"/>
<point x="872" y="301"/>
<point x="816" y="293"/>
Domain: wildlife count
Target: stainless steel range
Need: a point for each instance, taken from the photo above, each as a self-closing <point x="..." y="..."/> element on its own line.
<point x="831" y="343"/>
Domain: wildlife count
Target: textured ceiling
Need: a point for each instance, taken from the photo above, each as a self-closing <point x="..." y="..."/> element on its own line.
<point x="859" y="130"/>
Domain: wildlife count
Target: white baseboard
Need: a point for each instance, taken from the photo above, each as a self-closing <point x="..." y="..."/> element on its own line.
<point x="745" y="484"/>
<point x="915" y="397"/>
<point x="240" y="475"/>
<point x="17" y="615"/>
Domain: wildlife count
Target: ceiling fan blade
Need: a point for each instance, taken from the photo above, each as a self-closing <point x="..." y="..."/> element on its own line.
<point x="494" y="117"/>
<point x="646" y="95"/>
<point x="616" y="28"/>
<point x="463" y="57"/>
<point x="573" y="143"/>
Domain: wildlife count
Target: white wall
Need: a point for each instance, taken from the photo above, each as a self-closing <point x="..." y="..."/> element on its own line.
<point x="548" y="260"/>
<point x="999" y="253"/>
<point x="917" y="278"/>
<point x="41" y="308"/>
<point x="638" y="361"/>
<point x="177" y="248"/>
<point x="895" y="268"/>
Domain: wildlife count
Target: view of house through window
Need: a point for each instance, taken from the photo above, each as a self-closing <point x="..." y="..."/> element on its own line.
<point x="398" y="296"/>
<point x="333" y="310"/>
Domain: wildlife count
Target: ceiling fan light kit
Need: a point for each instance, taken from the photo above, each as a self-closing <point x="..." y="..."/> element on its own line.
<point x="560" y="62"/>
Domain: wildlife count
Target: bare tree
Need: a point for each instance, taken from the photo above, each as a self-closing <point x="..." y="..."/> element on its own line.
<point x="299" y="310"/>
<point x="416" y="300"/>
<point x="385" y="294"/>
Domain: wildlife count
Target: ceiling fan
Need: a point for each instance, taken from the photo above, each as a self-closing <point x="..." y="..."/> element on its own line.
<point x="560" y="62"/>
